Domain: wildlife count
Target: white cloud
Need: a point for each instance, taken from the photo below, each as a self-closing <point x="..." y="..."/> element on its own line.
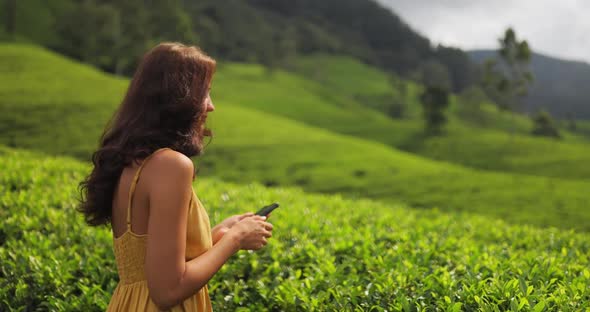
<point x="558" y="28"/>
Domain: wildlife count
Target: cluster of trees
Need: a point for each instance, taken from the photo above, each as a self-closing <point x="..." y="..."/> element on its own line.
<point x="505" y="79"/>
<point x="434" y="100"/>
<point x="544" y="125"/>
<point x="109" y="34"/>
<point x="366" y="30"/>
<point x="113" y="34"/>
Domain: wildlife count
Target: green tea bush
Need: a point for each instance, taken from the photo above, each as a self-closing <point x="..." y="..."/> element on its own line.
<point x="327" y="252"/>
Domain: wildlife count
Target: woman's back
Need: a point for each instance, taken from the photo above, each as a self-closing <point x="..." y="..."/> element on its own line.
<point x="129" y="219"/>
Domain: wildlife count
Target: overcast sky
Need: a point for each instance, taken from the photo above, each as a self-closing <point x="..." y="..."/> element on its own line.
<point x="554" y="27"/>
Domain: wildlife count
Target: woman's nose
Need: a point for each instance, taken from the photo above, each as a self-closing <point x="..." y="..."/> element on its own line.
<point x="210" y="106"/>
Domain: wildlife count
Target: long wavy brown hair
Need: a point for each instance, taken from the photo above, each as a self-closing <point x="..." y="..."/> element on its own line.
<point x="163" y="107"/>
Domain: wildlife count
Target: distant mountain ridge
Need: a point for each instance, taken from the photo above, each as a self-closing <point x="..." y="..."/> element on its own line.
<point x="561" y="87"/>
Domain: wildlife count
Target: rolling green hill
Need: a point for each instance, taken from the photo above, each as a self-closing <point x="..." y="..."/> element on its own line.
<point x="478" y="135"/>
<point x="327" y="253"/>
<point x="50" y="104"/>
<point x="331" y="104"/>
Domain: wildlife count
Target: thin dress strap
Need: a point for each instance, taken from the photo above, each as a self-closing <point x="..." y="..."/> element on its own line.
<point x="134" y="183"/>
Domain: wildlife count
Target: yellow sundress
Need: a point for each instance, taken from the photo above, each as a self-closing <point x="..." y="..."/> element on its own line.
<point x="131" y="293"/>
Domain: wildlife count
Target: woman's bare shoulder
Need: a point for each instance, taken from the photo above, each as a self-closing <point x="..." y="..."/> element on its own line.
<point x="171" y="164"/>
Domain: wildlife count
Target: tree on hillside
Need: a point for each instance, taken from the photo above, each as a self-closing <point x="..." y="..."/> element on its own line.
<point x="368" y="31"/>
<point x="10" y="17"/>
<point x="168" y="21"/>
<point x="397" y="108"/>
<point x="435" y="99"/>
<point x="545" y="126"/>
<point x="281" y="50"/>
<point x="470" y="106"/>
<point x="462" y="72"/>
<point x="507" y="78"/>
<point x="88" y="32"/>
<point x="571" y="122"/>
<point x="113" y="35"/>
<point x="433" y="74"/>
<point x="134" y="37"/>
<point x="287" y="47"/>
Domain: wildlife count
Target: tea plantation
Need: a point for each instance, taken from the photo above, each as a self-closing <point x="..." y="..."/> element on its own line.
<point x="327" y="253"/>
<point x="264" y="132"/>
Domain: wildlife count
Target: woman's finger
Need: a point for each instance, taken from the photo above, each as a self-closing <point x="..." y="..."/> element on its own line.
<point x="259" y="218"/>
<point x="268" y="226"/>
<point x="245" y="215"/>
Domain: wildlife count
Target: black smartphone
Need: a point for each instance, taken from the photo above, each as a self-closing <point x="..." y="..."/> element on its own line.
<point x="264" y="211"/>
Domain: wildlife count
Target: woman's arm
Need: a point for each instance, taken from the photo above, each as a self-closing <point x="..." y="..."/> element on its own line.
<point x="217" y="232"/>
<point x="195" y="274"/>
<point x="170" y="278"/>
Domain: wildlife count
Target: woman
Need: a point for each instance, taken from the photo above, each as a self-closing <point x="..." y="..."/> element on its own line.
<point x="141" y="184"/>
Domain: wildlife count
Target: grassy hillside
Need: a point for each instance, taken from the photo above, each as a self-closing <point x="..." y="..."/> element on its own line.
<point x="326" y="252"/>
<point x="332" y="104"/>
<point x="478" y="135"/>
<point x="71" y="102"/>
<point x="353" y="80"/>
<point x="49" y="103"/>
<point x="318" y="160"/>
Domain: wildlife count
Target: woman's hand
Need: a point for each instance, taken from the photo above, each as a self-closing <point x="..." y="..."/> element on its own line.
<point x="229" y="222"/>
<point x="251" y="233"/>
<point x="220" y="229"/>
